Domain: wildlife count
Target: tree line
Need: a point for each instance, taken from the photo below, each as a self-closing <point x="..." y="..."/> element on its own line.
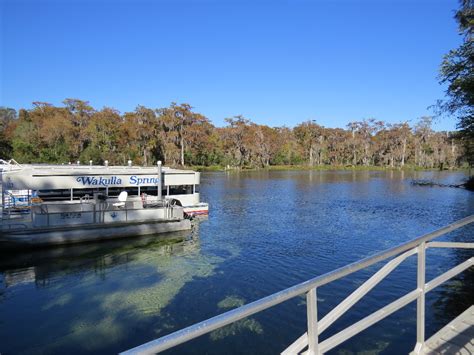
<point x="179" y="136"/>
<point x="457" y="72"/>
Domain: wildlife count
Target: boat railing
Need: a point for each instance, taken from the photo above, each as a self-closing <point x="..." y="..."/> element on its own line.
<point x="87" y="205"/>
<point x="48" y="214"/>
<point x="85" y="199"/>
<point x="16" y="200"/>
<point x="13" y="226"/>
<point x="315" y="327"/>
<point x="10" y="164"/>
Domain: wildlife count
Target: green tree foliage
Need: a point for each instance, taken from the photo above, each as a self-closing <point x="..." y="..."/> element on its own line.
<point x="101" y="137"/>
<point x="43" y="134"/>
<point x="238" y="140"/>
<point x="184" y="129"/>
<point x="179" y="136"/>
<point x="7" y="119"/>
<point x="310" y="136"/>
<point x="457" y="72"/>
<point x="80" y="113"/>
<point x="141" y="136"/>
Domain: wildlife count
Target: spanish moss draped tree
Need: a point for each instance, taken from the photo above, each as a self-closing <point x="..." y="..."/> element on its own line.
<point x="457" y="72"/>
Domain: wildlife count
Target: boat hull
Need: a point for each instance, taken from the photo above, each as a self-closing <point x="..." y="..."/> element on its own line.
<point x="87" y="233"/>
<point x="200" y="209"/>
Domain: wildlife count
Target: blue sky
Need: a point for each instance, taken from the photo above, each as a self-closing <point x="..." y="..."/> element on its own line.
<point x="275" y="62"/>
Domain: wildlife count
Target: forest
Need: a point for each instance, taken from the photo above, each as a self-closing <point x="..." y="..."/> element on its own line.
<point x="179" y="136"/>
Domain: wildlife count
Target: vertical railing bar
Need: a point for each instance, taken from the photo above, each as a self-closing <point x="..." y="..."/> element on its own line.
<point x="420" y="302"/>
<point x="312" y="310"/>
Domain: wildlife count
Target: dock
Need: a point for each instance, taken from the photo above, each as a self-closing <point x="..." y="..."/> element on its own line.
<point x="455" y="338"/>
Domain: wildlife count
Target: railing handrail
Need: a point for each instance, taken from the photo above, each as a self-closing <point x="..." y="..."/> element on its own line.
<point x="219" y="321"/>
<point x="10" y="164"/>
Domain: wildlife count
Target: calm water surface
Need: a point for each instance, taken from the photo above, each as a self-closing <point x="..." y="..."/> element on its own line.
<point x="266" y="231"/>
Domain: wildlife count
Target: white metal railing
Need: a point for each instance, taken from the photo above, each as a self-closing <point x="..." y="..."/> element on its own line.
<point x="10" y="164"/>
<point x="309" y="341"/>
<point x="86" y="211"/>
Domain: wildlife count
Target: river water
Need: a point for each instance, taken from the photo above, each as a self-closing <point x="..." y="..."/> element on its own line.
<point x="266" y="231"/>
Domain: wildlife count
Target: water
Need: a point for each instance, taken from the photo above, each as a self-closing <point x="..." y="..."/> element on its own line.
<point x="266" y="231"/>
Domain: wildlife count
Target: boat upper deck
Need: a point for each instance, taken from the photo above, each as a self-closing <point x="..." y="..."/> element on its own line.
<point x="73" y="169"/>
<point x="42" y="176"/>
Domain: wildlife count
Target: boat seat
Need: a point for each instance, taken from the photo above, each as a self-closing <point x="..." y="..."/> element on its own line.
<point x="122" y="198"/>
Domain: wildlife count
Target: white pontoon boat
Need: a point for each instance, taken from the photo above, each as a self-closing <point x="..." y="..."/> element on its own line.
<point x="60" y="204"/>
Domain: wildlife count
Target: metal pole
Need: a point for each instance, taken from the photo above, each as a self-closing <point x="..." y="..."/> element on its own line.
<point x="159" y="180"/>
<point x="312" y="311"/>
<point x="420" y="302"/>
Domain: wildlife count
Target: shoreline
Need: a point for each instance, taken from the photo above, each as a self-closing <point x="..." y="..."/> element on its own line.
<point x="315" y="168"/>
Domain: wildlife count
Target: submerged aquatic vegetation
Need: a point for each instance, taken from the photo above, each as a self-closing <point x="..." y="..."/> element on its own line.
<point x="249" y="324"/>
<point x="132" y="285"/>
<point x="231" y="302"/>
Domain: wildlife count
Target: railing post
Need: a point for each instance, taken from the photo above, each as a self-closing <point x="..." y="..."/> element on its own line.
<point x="312" y="311"/>
<point x="420" y="303"/>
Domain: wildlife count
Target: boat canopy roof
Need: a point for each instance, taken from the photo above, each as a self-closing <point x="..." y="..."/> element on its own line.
<point x="45" y="177"/>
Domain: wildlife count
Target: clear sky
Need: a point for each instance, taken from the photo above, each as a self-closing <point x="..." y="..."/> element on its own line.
<point x="275" y="62"/>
